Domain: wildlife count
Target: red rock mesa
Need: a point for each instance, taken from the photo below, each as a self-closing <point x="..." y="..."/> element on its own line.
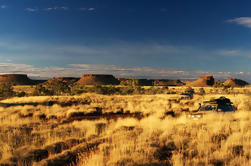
<point x="98" y="79"/>
<point x="233" y="82"/>
<point x="16" y="79"/>
<point x="202" y="81"/>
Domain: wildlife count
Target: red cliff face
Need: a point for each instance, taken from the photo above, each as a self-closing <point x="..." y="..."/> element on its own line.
<point x="15" y="79"/>
<point x="202" y="81"/>
<point x="98" y="79"/>
<point x="233" y="82"/>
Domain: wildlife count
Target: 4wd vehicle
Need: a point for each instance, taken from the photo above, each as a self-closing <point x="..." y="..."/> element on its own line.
<point x="220" y="105"/>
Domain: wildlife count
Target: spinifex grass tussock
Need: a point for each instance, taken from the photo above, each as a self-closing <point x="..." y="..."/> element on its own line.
<point x="112" y="130"/>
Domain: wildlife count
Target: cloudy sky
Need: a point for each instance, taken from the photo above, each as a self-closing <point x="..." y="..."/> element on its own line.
<point x="164" y="38"/>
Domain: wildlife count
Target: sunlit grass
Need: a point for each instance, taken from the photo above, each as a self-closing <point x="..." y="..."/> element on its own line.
<point x="47" y="133"/>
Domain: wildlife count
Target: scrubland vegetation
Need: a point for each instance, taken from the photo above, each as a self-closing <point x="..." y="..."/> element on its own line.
<point x="147" y="126"/>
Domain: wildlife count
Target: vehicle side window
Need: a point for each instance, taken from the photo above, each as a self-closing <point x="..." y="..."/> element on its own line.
<point x="208" y="107"/>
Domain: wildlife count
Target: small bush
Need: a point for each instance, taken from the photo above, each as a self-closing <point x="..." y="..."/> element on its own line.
<point x="189" y="91"/>
<point x="21" y="94"/>
<point x="53" y="87"/>
<point x="57" y="87"/>
<point x="201" y="91"/>
<point x="218" y="84"/>
<point x="77" y="89"/>
<point x="120" y="90"/>
<point x="40" y="90"/>
<point x="238" y="150"/>
<point x="126" y="90"/>
<point x="165" y="152"/>
<point x="6" y="90"/>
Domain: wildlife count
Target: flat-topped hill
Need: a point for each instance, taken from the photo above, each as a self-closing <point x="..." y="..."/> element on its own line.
<point x="98" y="79"/>
<point x="16" y="79"/>
<point x="234" y="82"/>
<point x="202" y="81"/>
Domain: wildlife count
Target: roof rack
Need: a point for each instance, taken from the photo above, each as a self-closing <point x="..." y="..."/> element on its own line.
<point x="221" y="101"/>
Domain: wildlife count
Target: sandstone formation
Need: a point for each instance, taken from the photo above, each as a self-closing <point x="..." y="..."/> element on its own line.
<point x="202" y="81"/>
<point x="16" y="79"/>
<point x="98" y="79"/>
<point x="233" y="82"/>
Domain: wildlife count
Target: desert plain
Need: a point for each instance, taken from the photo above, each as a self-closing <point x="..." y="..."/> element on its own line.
<point x="122" y="125"/>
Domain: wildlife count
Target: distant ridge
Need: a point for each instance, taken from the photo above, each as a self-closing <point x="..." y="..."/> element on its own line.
<point x="106" y="79"/>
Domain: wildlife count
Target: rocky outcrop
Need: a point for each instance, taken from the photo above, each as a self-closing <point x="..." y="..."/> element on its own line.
<point x="98" y="79"/>
<point x="16" y="79"/>
<point x="233" y="82"/>
<point x="202" y="81"/>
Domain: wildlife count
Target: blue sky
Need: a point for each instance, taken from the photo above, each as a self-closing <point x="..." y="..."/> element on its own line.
<point x="197" y="35"/>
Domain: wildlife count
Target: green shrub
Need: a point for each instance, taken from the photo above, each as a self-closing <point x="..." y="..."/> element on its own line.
<point x="6" y="90"/>
<point x="121" y="90"/>
<point x="106" y="90"/>
<point x="40" y="90"/>
<point x="201" y="91"/>
<point x="227" y="89"/>
<point x="128" y="90"/>
<point x="57" y="87"/>
<point x="218" y="84"/>
<point x="21" y="94"/>
<point x="189" y="90"/>
<point x="77" y="89"/>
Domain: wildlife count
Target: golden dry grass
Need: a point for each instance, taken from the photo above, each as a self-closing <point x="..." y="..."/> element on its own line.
<point x="35" y="133"/>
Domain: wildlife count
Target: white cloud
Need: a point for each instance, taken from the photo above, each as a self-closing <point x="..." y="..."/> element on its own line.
<point x="49" y="9"/>
<point x="235" y="53"/>
<point x="31" y="9"/>
<point x="3" y="6"/>
<point x="87" y="9"/>
<point x="114" y="48"/>
<point x="115" y="52"/>
<point x="123" y="71"/>
<point x="64" y="8"/>
<point x="57" y="8"/>
<point x="76" y="70"/>
<point x="244" y="21"/>
<point x="91" y="9"/>
<point x="13" y="45"/>
<point x="230" y="52"/>
<point x="149" y="72"/>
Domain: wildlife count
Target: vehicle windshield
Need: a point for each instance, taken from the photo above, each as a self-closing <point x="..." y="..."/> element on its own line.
<point x="208" y="107"/>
